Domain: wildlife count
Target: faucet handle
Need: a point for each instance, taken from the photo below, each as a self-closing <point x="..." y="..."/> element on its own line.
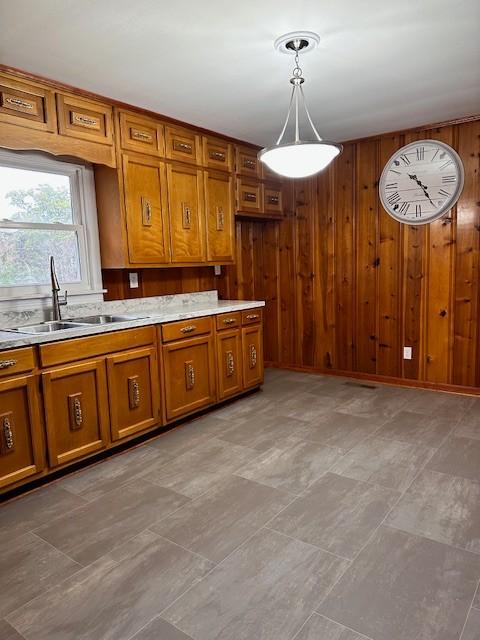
<point x="65" y="299"/>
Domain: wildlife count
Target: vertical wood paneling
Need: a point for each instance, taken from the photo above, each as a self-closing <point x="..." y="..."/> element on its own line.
<point x="366" y="257"/>
<point x="287" y="280"/>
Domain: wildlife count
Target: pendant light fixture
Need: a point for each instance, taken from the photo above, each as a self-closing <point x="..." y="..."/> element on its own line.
<point x="297" y="157"/>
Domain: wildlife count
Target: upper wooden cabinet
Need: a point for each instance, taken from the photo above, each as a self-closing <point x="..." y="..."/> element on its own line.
<point x="27" y="104"/>
<point x="182" y="144"/>
<point x="146" y="210"/>
<point x="141" y="134"/>
<point x="217" y="154"/>
<point x="247" y="163"/>
<point x="21" y="441"/>
<point x="272" y="199"/>
<point x="249" y="196"/>
<point x="186" y="213"/>
<point x="219" y="215"/>
<point x="84" y="119"/>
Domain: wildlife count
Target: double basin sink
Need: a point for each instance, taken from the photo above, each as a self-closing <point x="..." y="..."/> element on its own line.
<point x="74" y="323"/>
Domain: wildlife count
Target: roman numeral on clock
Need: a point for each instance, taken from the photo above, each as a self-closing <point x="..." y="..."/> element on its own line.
<point x="405" y="206"/>
<point x="444" y="193"/>
<point x="435" y="155"/>
<point x="404" y="159"/>
<point x="393" y="198"/>
<point x="399" y="173"/>
<point x="420" y="153"/>
<point x="391" y="185"/>
<point x="418" y="210"/>
<point x="448" y="179"/>
<point x="446" y="164"/>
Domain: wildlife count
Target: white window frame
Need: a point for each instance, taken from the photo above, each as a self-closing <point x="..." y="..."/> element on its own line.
<point x="84" y="211"/>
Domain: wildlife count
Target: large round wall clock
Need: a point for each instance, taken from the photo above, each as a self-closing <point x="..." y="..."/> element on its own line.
<point x="421" y="182"/>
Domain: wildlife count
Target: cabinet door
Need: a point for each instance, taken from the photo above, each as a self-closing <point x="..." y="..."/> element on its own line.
<point x="217" y="154"/>
<point x="27" y="104"/>
<point x="273" y="199"/>
<point x="182" y="144"/>
<point x="252" y="356"/>
<point x="133" y="389"/>
<point x="247" y="162"/>
<point x="189" y="367"/>
<point x="229" y="363"/>
<point x="220" y="216"/>
<point x="20" y="431"/>
<point x="141" y="134"/>
<point x="145" y="205"/>
<point x="186" y="212"/>
<point x="76" y="410"/>
<point x="84" y="119"/>
<point x="249" y="196"/>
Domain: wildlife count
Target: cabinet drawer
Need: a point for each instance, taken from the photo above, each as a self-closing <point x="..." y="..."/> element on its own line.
<point x="91" y="346"/>
<point x="27" y="104"/>
<point x="251" y="316"/>
<point x="273" y="199"/>
<point x="141" y="134"/>
<point x="84" y="119"/>
<point x="249" y="196"/>
<point x="16" y="361"/>
<point x="182" y="144"/>
<point x="186" y="329"/>
<point x="217" y="154"/>
<point x="229" y="320"/>
<point x="247" y="163"/>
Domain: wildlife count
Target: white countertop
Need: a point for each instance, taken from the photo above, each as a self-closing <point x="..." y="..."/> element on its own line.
<point x="195" y="309"/>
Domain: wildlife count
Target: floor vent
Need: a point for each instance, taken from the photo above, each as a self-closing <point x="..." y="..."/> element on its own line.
<point x="360" y="384"/>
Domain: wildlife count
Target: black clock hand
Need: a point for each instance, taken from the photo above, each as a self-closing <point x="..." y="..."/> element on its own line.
<point x="419" y="182"/>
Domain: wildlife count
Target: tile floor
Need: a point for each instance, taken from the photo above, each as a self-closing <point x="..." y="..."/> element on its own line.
<point x="316" y="509"/>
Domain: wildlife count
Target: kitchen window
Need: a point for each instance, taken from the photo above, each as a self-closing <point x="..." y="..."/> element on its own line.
<point x="47" y="207"/>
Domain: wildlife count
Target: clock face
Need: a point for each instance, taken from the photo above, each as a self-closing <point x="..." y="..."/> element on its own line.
<point x="421" y="182"/>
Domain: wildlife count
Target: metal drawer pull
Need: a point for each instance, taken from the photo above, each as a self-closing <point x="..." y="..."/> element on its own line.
<point x="230" y="362"/>
<point x="249" y="164"/>
<point x="75" y="411"/>
<point x="146" y="212"/>
<point x="182" y="146"/>
<point x="249" y="196"/>
<point x="143" y="136"/>
<point x="273" y="199"/>
<point x="4" y="364"/>
<point x="229" y="321"/>
<point x="85" y="121"/>
<point x="189" y="375"/>
<point x="186" y="216"/>
<point x="188" y="329"/>
<point x="8" y="434"/>
<point x="134" y="392"/>
<point x="253" y="356"/>
<point x="217" y="155"/>
<point x="18" y="104"/>
<point x="253" y="316"/>
<point x="220" y="219"/>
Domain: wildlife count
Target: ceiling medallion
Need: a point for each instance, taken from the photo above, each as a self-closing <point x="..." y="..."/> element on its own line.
<point x="297" y="157"/>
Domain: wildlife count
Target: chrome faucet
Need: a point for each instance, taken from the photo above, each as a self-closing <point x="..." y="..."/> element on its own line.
<point x="56" y="302"/>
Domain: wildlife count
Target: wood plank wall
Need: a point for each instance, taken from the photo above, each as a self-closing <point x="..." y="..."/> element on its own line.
<point x="347" y="286"/>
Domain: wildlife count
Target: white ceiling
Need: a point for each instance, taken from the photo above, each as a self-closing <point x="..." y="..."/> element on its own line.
<point x="382" y="65"/>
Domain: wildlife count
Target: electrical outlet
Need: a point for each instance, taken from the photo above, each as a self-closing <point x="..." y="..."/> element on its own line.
<point x="217" y="270"/>
<point x="133" y="280"/>
<point x="407" y="353"/>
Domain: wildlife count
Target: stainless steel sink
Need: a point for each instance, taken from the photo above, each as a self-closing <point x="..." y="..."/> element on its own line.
<point x="104" y="319"/>
<point x="48" y="327"/>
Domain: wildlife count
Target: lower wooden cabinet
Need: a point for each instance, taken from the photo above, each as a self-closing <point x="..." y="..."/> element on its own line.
<point x="133" y="391"/>
<point x="229" y="363"/>
<point x="21" y="442"/>
<point x="252" y="345"/>
<point x="76" y="410"/>
<point x="189" y="367"/>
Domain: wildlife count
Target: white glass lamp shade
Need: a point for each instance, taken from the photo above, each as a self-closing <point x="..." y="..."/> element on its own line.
<point x="299" y="159"/>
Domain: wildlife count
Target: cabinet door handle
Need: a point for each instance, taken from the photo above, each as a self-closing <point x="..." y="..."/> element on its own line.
<point x="273" y="199"/>
<point x="230" y="363"/>
<point x="8" y="444"/>
<point x="146" y="212"/>
<point x="217" y="155"/>
<point x="143" y="136"/>
<point x="134" y="392"/>
<point x="253" y="356"/>
<point x="17" y="104"/>
<point x="75" y="411"/>
<point x="188" y="329"/>
<point x="186" y="216"/>
<point x="229" y="321"/>
<point x="220" y="219"/>
<point x="253" y="316"/>
<point x="182" y="146"/>
<point x="85" y="121"/>
<point x="249" y="196"/>
<point x="249" y="164"/>
<point x="5" y="364"/>
<point x="189" y="375"/>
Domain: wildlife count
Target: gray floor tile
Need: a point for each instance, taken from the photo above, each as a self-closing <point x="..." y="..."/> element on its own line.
<point x="472" y="628"/>
<point x="97" y="527"/>
<point x="115" y="597"/>
<point x="449" y="405"/>
<point x="201" y="469"/>
<point x="337" y="514"/>
<point x="309" y="406"/>
<point x="207" y="424"/>
<point x="293" y="468"/>
<point x="160" y="629"/>
<point x="262" y="432"/>
<point x="403" y="587"/>
<point x="458" y="457"/>
<point x="266" y="589"/>
<point x="340" y="430"/>
<point x="407" y="426"/>
<point x="178" y="441"/>
<point x="320" y="628"/>
<point x="390" y="463"/>
<point x="29" y="566"/>
<point x="7" y="632"/>
<point x="34" y="509"/>
<point x="476" y="600"/>
<point x="469" y="425"/>
<point x="220" y="520"/>
<point x="380" y="404"/>
<point x="96" y="481"/>
<point x="441" y="507"/>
